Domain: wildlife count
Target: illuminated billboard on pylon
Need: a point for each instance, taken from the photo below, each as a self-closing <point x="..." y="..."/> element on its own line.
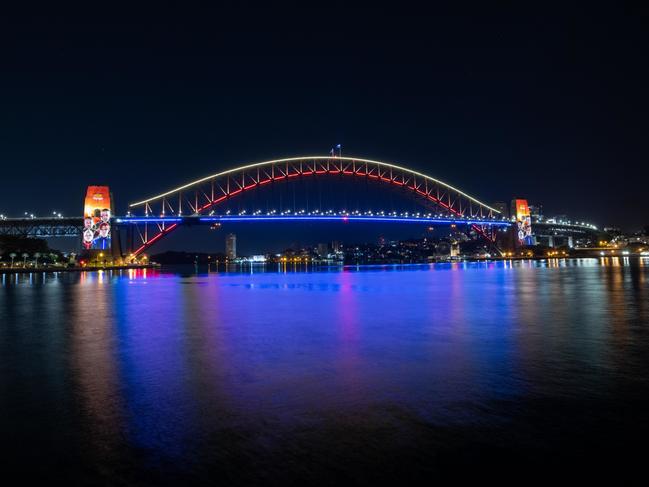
<point x="523" y="219"/>
<point x="96" y="218"/>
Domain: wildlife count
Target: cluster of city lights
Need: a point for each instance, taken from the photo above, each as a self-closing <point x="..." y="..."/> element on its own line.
<point x="557" y="253"/>
<point x="569" y="223"/>
<point x="30" y="216"/>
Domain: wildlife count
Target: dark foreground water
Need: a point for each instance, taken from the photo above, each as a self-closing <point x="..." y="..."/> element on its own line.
<point x="356" y="375"/>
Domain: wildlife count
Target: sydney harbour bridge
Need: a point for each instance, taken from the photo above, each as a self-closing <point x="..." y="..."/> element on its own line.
<point x="296" y="189"/>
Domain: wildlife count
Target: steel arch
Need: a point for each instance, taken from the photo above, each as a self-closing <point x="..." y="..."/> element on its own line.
<point x="198" y="196"/>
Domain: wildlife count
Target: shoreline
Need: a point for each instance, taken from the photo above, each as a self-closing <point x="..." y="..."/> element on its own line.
<point x="22" y="270"/>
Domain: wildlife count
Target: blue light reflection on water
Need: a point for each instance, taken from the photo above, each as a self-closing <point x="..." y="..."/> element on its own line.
<point x="184" y="370"/>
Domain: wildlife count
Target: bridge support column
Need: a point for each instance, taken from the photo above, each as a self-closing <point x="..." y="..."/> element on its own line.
<point x="116" y="247"/>
<point x="128" y="243"/>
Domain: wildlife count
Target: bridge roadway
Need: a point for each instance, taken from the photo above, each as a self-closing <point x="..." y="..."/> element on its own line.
<point x="556" y="234"/>
<point x="73" y="226"/>
<point x="42" y="227"/>
<point x="345" y="218"/>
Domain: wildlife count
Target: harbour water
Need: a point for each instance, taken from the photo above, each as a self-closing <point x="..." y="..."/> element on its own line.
<point x="350" y="375"/>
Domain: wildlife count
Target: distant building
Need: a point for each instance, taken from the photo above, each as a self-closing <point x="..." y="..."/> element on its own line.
<point x="503" y="208"/>
<point x="455" y="249"/>
<point x="536" y="212"/>
<point x="323" y="250"/>
<point x="612" y="230"/>
<point x="336" y="246"/>
<point x="560" y="219"/>
<point x="231" y="246"/>
<point x="253" y="259"/>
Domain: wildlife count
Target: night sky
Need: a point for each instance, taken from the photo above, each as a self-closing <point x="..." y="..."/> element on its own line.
<point x="550" y="105"/>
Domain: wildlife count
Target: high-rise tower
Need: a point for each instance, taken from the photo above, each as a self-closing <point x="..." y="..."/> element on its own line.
<point x="231" y="246"/>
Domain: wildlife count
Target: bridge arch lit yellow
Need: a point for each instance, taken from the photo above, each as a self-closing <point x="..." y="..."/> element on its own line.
<point x="311" y="158"/>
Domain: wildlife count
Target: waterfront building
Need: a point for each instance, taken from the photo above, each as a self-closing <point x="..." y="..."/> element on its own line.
<point x="323" y="250"/>
<point x="536" y="213"/>
<point x="231" y="246"/>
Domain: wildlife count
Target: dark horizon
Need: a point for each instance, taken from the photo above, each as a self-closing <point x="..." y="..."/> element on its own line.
<point x="500" y="102"/>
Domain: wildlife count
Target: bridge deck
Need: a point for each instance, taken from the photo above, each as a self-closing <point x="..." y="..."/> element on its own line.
<point x="201" y="219"/>
<point x="42" y="227"/>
